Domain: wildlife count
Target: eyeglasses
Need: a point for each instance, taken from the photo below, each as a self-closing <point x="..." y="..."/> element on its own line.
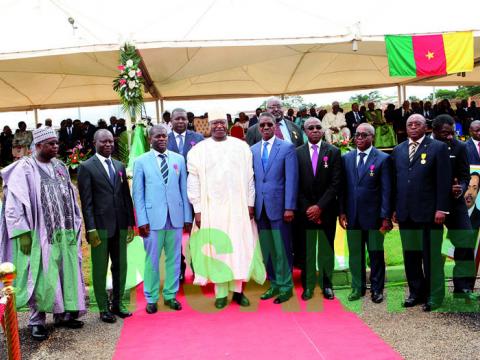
<point x="362" y="135"/>
<point x="274" y="106"/>
<point x="314" y="127"/>
<point x="266" y="124"/>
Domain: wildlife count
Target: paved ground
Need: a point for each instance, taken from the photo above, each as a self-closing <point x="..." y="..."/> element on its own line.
<point x="451" y="333"/>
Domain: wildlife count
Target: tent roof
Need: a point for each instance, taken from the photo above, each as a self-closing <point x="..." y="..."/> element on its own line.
<point x="204" y="48"/>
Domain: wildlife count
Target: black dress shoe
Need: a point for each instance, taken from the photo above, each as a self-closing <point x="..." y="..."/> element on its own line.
<point x="38" y="332"/>
<point x="121" y="313"/>
<point x="328" y="294"/>
<point x="240" y="299"/>
<point x="307" y="294"/>
<point x="220" y="303"/>
<point x="108" y="317"/>
<point x="355" y="295"/>
<point x="270" y="293"/>
<point x="283" y="297"/>
<point x="151" y="308"/>
<point x="173" y="304"/>
<point x="377" y="297"/>
<point x="411" y="302"/>
<point x="430" y="306"/>
<point x="70" y="324"/>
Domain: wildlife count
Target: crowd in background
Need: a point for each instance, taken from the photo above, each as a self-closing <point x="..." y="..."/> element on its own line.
<point x="389" y="122"/>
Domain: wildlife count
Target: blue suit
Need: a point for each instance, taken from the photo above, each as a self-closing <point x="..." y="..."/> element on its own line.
<point x="276" y="189"/>
<point x="191" y="139"/>
<point x="422" y="187"/>
<point x="366" y="201"/>
<point x="165" y="208"/>
<point x="472" y="152"/>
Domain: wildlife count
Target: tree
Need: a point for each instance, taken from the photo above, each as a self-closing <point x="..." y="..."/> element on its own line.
<point x="293" y="101"/>
<point x="413" y="98"/>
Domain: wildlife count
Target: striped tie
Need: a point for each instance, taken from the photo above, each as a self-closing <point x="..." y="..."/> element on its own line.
<point x="164" y="167"/>
<point x="413" y="148"/>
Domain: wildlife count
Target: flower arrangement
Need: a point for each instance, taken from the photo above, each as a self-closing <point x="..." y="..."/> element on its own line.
<point x="77" y="157"/>
<point x="344" y="144"/>
<point x="129" y="83"/>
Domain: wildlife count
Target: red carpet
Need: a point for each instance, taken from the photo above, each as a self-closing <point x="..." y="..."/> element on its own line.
<point x="262" y="331"/>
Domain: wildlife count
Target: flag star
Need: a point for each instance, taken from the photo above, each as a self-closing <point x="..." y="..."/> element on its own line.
<point x="430" y="55"/>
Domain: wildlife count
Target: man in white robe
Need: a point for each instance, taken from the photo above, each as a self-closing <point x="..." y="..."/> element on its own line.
<point x="335" y="125"/>
<point x="224" y="243"/>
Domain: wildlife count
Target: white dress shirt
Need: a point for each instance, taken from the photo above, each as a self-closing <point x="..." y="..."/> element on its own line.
<point x="105" y="166"/>
<point x="269" y="146"/>
<point x="159" y="160"/>
<point x="366" y="152"/>
<point x="177" y="140"/>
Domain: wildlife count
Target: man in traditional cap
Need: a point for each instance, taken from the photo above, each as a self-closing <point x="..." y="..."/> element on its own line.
<point x="41" y="234"/>
<point x="224" y="241"/>
<point x="333" y="123"/>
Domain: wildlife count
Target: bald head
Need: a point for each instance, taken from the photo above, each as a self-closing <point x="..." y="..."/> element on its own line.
<point x="475" y="130"/>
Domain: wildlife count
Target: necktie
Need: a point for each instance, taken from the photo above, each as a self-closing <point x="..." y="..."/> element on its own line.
<point x="361" y="163"/>
<point x="164" y="167"/>
<point x="278" y="132"/>
<point x="111" y="173"/>
<point x="356" y="117"/>
<point x="413" y="148"/>
<point x="265" y="155"/>
<point x="180" y="143"/>
<point x="314" y="158"/>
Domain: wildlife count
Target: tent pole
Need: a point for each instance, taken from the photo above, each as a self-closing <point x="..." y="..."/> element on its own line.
<point x="157" y="110"/>
<point x="161" y="109"/>
<point x="404" y="90"/>
<point x="35" y="112"/>
<point x="399" y="94"/>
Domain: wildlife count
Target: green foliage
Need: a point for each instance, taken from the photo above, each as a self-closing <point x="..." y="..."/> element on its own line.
<point x="123" y="147"/>
<point x="129" y="83"/>
<point x="363" y="99"/>
<point x="294" y="102"/>
<point x="462" y="92"/>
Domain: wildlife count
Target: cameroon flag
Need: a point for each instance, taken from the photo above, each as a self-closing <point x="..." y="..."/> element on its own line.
<point x="428" y="55"/>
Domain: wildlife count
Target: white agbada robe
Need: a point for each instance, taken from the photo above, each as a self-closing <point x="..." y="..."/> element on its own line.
<point x="334" y="120"/>
<point x="221" y="187"/>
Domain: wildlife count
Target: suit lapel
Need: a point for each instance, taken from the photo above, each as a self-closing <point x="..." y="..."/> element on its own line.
<point x="322" y="152"/>
<point x="422" y="148"/>
<point x="157" y="168"/>
<point x="273" y="154"/>
<point x="368" y="162"/>
<point x="173" y="142"/>
<point x="186" y="144"/>
<point x="101" y="169"/>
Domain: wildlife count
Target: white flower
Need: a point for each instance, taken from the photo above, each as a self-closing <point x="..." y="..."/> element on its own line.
<point x="132" y="84"/>
<point x="129" y="63"/>
<point x="131" y="73"/>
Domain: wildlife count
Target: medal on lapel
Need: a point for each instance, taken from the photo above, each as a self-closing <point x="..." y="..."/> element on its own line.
<point x="175" y="166"/>
<point x="120" y="174"/>
<point x="372" y="169"/>
<point x="423" y="156"/>
<point x="325" y="162"/>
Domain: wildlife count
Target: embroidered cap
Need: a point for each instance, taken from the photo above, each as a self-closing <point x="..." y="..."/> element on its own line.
<point x="42" y="134"/>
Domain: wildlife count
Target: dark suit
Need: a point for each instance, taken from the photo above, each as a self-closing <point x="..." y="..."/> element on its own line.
<point x="117" y="130"/>
<point x="68" y="139"/>
<point x="322" y="190"/>
<point x="352" y="122"/>
<point x="475" y="221"/>
<point x="366" y="201"/>
<point x="400" y="123"/>
<point x="472" y="153"/>
<point x="108" y="209"/>
<point x="191" y="139"/>
<point x="422" y="187"/>
<point x="254" y="135"/>
<point x="253" y="121"/>
<point x="276" y="188"/>
<point x="458" y="223"/>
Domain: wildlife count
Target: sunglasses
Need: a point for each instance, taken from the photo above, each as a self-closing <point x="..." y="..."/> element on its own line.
<point x="266" y="124"/>
<point x="314" y="127"/>
<point x="362" y="135"/>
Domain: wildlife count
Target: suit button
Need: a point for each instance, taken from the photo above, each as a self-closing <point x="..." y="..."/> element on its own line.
<point x="408" y="181"/>
<point x="264" y="180"/>
<point x="409" y="169"/>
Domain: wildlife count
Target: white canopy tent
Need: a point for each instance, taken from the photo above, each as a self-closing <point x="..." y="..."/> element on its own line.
<point x="207" y="48"/>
